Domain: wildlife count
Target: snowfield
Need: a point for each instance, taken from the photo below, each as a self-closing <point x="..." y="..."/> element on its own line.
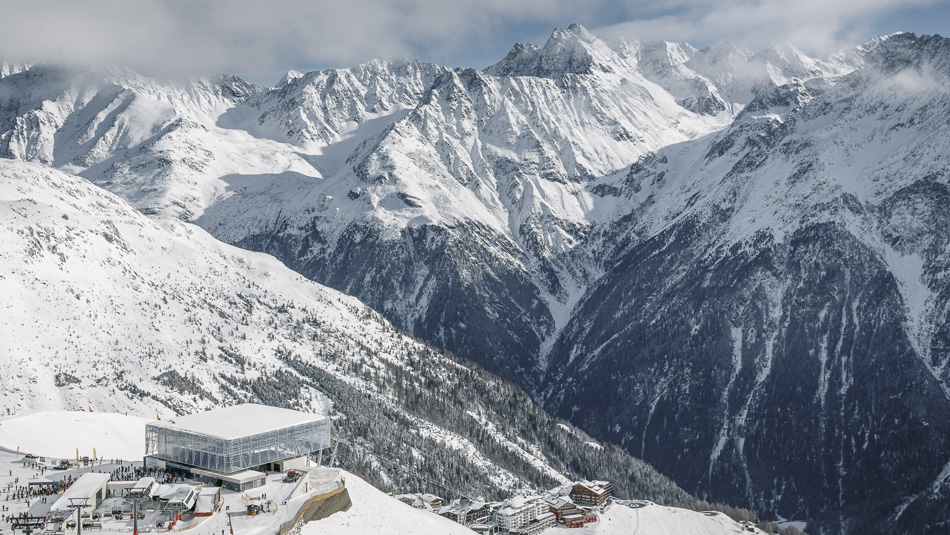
<point x="653" y="519"/>
<point x="60" y="434"/>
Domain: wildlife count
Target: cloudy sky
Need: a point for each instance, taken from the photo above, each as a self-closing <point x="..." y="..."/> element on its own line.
<point x="260" y="40"/>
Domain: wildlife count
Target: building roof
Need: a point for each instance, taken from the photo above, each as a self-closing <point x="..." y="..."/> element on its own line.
<point x="518" y="504"/>
<point x="597" y="487"/>
<point x="183" y="495"/>
<point x="146" y="484"/>
<point x="462" y="507"/>
<point x="239" y="421"/>
<point x="240" y="478"/>
<point x="84" y="487"/>
<point x="558" y="503"/>
<point x="207" y="497"/>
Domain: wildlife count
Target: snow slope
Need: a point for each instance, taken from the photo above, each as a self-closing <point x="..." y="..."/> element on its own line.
<point x="59" y="434"/>
<point x="374" y="511"/>
<point x="107" y="308"/>
<point x="653" y="519"/>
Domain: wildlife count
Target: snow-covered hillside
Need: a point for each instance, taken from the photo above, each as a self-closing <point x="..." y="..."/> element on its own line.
<point x="648" y="517"/>
<point x="376" y="512"/>
<point x="109" y="309"/>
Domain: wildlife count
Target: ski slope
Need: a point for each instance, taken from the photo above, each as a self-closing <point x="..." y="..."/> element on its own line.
<point x="59" y="434"/>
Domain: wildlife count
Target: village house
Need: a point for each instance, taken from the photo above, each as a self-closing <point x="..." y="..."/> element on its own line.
<point x="569" y="505"/>
<point x="539" y="524"/>
<point x="426" y="501"/>
<point x="590" y="493"/>
<point x="466" y="512"/>
<point x="519" y="511"/>
<point x="566" y="512"/>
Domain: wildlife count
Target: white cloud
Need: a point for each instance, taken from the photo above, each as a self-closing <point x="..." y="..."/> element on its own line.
<point x="815" y="26"/>
<point x="269" y="37"/>
<point x="246" y="35"/>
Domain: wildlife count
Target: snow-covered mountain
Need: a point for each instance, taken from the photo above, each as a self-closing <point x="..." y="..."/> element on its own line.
<point x="725" y="78"/>
<point x="483" y="179"/>
<point x="730" y="262"/>
<point x="786" y="280"/>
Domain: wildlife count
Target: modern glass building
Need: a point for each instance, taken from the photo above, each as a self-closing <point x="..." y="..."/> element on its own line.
<point x="236" y="439"/>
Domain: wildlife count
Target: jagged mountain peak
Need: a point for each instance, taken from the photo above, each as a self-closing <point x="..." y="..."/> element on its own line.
<point x="290" y="77"/>
<point x="784" y="55"/>
<point x="725" y="52"/>
<point x="8" y="68"/>
<point x="573" y="32"/>
<point x="671" y="53"/>
<point x="571" y="50"/>
<point x="899" y="51"/>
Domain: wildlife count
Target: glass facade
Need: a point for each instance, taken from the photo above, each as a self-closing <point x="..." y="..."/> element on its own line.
<point x="233" y="455"/>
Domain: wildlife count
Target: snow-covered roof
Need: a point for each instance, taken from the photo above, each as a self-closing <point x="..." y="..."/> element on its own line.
<point x="517" y="504"/>
<point x="244" y="476"/>
<point x="146" y="484"/>
<point x="84" y="487"/>
<point x="184" y="496"/>
<point x="205" y="504"/>
<point x="207" y="497"/>
<point x="597" y="487"/>
<point x="238" y="421"/>
<point x="557" y="502"/>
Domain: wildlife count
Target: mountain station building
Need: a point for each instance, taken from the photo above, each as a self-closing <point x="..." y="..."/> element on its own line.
<point x="234" y="446"/>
